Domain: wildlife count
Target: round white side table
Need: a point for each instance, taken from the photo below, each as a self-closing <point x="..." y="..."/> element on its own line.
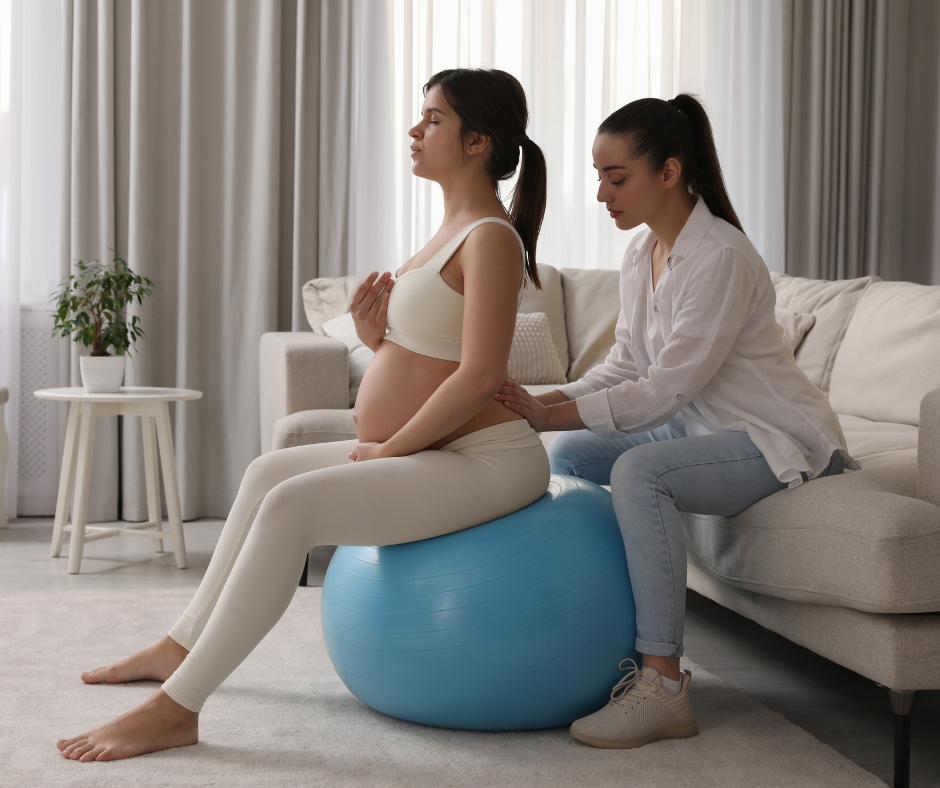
<point x="151" y="404"/>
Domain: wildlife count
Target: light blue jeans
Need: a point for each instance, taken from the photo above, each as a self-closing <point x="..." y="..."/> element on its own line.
<point x="653" y="476"/>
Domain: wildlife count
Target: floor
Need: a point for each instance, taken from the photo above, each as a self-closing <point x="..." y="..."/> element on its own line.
<point x="840" y="708"/>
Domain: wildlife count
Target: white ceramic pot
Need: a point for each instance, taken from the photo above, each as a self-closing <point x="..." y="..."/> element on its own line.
<point x="102" y="374"/>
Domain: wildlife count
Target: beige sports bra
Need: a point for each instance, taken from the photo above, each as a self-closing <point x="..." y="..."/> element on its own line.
<point x="425" y="314"/>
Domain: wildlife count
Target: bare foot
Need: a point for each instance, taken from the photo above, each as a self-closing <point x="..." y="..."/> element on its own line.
<point x="155" y="663"/>
<point x="158" y="723"/>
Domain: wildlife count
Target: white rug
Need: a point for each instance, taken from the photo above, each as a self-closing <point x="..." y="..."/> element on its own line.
<point x="284" y="719"/>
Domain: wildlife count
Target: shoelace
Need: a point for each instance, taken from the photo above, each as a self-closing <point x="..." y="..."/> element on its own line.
<point x="629" y="691"/>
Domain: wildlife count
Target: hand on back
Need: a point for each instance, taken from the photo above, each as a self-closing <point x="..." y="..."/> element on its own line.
<point x="369" y="308"/>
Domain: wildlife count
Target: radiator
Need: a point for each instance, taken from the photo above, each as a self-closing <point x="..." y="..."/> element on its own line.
<point x="40" y="449"/>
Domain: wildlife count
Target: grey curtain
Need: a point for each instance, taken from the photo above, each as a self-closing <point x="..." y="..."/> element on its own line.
<point x="200" y="149"/>
<point x="845" y="150"/>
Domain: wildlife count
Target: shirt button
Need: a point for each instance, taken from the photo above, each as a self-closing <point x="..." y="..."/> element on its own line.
<point x="678" y="396"/>
<point x="656" y="307"/>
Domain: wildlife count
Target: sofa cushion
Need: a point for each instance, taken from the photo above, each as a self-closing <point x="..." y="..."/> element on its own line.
<point x="859" y="540"/>
<point x="795" y="325"/>
<point x="592" y="305"/>
<point x="550" y="300"/>
<point x="533" y="358"/>
<point x="313" y="426"/>
<point x="889" y="357"/>
<point x="327" y="298"/>
<point x="344" y="329"/>
<point x="832" y="304"/>
<point x="874" y="443"/>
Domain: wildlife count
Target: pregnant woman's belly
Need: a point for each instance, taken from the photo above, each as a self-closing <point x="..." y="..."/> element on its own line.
<point x="397" y="383"/>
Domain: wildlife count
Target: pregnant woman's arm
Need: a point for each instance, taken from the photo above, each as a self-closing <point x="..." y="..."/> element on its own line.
<point x="491" y="264"/>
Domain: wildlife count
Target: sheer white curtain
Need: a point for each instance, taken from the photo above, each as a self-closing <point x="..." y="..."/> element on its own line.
<point x="9" y="239"/>
<point x="578" y="61"/>
<point x="31" y="124"/>
<point x="734" y="55"/>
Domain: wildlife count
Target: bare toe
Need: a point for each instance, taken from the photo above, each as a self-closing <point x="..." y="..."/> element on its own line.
<point x="78" y="752"/>
<point x="91" y="753"/>
<point x="72" y="744"/>
<point x="93" y="676"/>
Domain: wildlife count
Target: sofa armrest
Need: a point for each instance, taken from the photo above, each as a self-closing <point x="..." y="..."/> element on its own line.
<point x="928" y="449"/>
<point x="300" y="370"/>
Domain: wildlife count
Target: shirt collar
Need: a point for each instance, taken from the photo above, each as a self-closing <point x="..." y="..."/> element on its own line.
<point x="695" y="229"/>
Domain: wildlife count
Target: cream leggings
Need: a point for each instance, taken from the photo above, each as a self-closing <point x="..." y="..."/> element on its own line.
<point x="293" y="499"/>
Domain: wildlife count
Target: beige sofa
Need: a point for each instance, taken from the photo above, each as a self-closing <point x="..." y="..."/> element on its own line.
<point x="847" y="566"/>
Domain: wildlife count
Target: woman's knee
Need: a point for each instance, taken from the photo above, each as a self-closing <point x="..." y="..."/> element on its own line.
<point x="633" y="468"/>
<point x="566" y="452"/>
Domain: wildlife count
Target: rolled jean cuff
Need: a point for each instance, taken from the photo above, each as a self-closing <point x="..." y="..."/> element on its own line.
<point x="659" y="649"/>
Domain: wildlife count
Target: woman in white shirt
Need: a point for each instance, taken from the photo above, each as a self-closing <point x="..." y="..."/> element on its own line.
<point x="699" y="407"/>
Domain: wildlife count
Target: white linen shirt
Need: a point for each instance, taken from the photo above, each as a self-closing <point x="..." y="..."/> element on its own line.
<point x="721" y="362"/>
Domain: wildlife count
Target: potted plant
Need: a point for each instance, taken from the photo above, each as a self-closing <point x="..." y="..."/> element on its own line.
<point x="89" y="307"/>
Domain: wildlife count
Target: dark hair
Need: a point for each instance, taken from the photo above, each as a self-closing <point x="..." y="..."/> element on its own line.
<point x="677" y="129"/>
<point x="493" y="103"/>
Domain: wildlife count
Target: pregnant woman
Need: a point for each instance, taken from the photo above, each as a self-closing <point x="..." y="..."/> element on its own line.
<point x="699" y="407"/>
<point x="435" y="453"/>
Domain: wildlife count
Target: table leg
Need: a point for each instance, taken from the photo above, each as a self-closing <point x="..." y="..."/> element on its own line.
<point x="152" y="476"/>
<point x="66" y="480"/>
<point x="170" y="483"/>
<point x="86" y="450"/>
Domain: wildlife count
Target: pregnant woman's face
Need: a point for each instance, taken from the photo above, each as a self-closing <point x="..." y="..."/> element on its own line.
<point x="436" y="149"/>
<point x="629" y="188"/>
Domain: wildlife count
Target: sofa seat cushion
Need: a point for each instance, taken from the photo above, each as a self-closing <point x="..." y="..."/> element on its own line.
<point x="874" y="443"/>
<point x="859" y="540"/>
<point x="313" y="426"/>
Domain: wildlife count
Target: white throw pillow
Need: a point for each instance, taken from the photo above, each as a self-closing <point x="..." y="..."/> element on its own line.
<point x="796" y="326"/>
<point x="343" y="329"/>
<point x="533" y="358"/>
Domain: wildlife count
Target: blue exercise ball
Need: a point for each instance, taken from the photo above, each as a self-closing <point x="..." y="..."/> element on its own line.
<point x="516" y="624"/>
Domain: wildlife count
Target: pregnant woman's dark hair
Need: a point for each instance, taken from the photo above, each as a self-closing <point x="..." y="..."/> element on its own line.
<point x="677" y="129"/>
<point x="493" y="103"/>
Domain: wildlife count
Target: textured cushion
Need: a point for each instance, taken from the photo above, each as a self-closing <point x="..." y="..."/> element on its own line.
<point x="832" y="304"/>
<point x="343" y="329"/>
<point x="874" y="443"/>
<point x="858" y="540"/>
<point x="795" y="326"/>
<point x="592" y="305"/>
<point x="890" y="356"/>
<point x="533" y="358"/>
<point x="325" y="299"/>
<point x="550" y="300"/>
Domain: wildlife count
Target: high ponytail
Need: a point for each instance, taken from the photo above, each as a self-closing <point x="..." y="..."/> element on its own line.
<point x="493" y="103"/>
<point x="678" y="129"/>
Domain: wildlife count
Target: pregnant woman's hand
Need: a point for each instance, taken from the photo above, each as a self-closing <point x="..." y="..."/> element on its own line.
<point x="366" y="451"/>
<point x="516" y="398"/>
<point x="369" y="308"/>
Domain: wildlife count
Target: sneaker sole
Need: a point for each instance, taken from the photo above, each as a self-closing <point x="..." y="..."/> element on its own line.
<point x="678" y="731"/>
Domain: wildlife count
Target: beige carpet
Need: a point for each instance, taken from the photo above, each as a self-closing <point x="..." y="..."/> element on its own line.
<point x="284" y="719"/>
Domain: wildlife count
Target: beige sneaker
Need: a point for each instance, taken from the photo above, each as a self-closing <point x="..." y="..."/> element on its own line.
<point x="639" y="711"/>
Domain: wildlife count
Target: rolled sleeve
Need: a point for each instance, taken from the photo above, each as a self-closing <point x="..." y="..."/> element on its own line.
<point x="594" y="410"/>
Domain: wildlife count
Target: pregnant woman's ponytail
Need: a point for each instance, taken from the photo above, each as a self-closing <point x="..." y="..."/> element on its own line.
<point x="678" y="129"/>
<point x="493" y="103"/>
